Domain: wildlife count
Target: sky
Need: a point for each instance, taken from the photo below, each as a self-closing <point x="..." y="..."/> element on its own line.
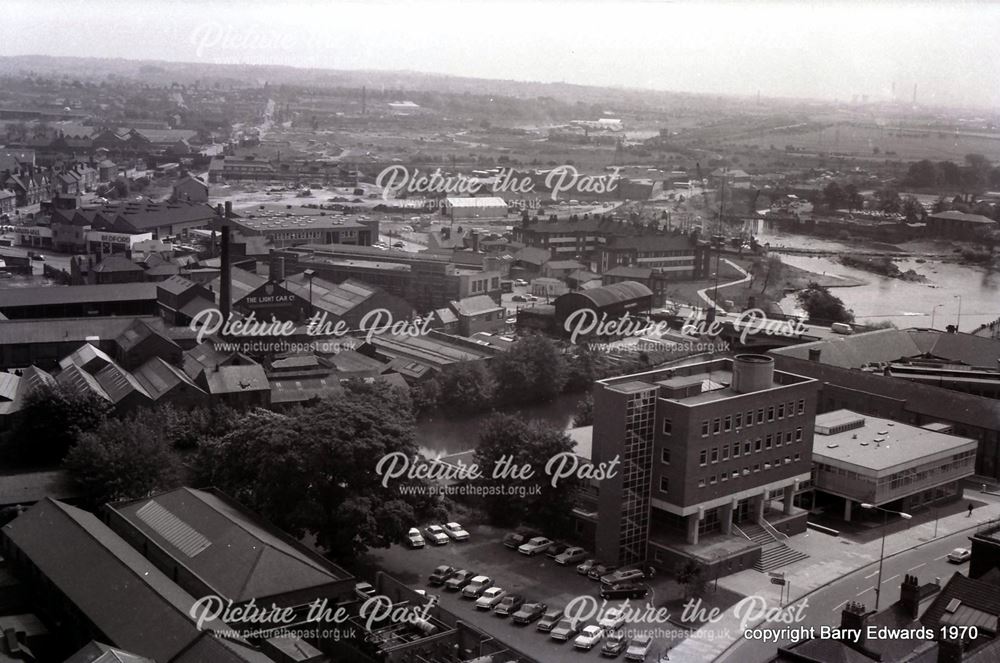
<point x="824" y="50"/>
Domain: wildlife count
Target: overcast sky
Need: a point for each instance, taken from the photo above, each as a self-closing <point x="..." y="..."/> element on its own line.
<point x="831" y="50"/>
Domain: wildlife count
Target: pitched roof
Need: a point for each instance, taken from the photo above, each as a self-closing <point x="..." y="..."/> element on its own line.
<point x="30" y="487"/>
<point x="616" y="293"/>
<point x="236" y="379"/>
<point x="532" y="255"/>
<point x="64" y="330"/>
<point x="475" y="305"/>
<point x="119" y="384"/>
<point x="962" y="216"/>
<point x="176" y="285"/>
<point x="983" y="597"/>
<point x="76" y="294"/>
<point x="75" y="378"/>
<point x="96" y="652"/>
<point x="158" y="378"/>
<point x="236" y="554"/>
<point x="887" y="345"/>
<point x="136" y="333"/>
<point x="116" y="264"/>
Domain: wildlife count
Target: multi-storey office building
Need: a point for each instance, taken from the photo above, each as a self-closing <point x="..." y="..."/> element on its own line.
<point x="702" y="448"/>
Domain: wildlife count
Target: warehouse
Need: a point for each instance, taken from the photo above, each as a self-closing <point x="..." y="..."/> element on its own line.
<point x="79" y="301"/>
<point x="475" y="208"/>
<point x="609" y="302"/>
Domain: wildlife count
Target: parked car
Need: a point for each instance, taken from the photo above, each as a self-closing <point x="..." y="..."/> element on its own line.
<point x="530" y="298"/>
<point x="459" y="580"/>
<point x="521" y="282"/>
<point x="455" y="531"/>
<point x="435" y="534"/>
<point x="623" y="575"/>
<point x="441" y="574"/>
<point x="534" y="546"/>
<point x="625" y="590"/>
<point x="414" y="538"/>
<point x="399" y="245"/>
<point x="556" y="548"/>
<point x="959" y="555"/>
<point x="490" y="598"/>
<point x="529" y="612"/>
<point x="571" y="555"/>
<point x="476" y="587"/>
<point x="364" y="590"/>
<point x="614" y="644"/>
<point x="509" y="605"/>
<point x="589" y="636"/>
<point x="584" y="567"/>
<point x="518" y="298"/>
<point x="638" y="648"/>
<point x="598" y="571"/>
<point x="565" y="629"/>
<point x="612" y="620"/>
<point x="515" y="539"/>
<point x="548" y="621"/>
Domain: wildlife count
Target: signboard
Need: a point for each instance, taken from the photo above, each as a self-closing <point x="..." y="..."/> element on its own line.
<point x="34" y="231"/>
<point x="125" y="239"/>
<point x="776" y="574"/>
<point x="778" y="581"/>
<point x="271" y="299"/>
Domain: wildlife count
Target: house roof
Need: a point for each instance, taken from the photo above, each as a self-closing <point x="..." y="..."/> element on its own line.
<point x="96" y="652"/>
<point x="121" y="592"/>
<point x="971" y="593"/>
<point x="235" y="553"/>
<point x="236" y="379"/>
<point x="470" y="306"/>
<point x="158" y="378"/>
<point x="116" y="264"/>
<point x="532" y="255"/>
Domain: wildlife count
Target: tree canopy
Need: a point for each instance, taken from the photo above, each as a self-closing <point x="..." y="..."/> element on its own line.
<point x="820" y="304"/>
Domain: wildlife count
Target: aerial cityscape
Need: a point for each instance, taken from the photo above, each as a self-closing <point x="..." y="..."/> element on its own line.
<point x="499" y="332"/>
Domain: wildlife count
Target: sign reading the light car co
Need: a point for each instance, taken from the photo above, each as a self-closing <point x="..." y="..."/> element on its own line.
<point x="274" y="300"/>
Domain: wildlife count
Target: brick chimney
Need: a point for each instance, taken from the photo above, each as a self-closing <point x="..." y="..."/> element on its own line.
<point x="854" y="616"/>
<point x="276" y="271"/>
<point x="909" y="596"/>
<point x="814" y="354"/>
<point x="950" y="651"/>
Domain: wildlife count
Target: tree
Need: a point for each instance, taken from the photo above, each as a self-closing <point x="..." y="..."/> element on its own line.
<point x="853" y="198"/>
<point x="769" y="268"/>
<point x="833" y="195"/>
<point x="923" y="174"/>
<point x="466" y="387"/>
<point x="532" y="370"/>
<point x="819" y="304"/>
<point x="912" y="209"/>
<point x="51" y="420"/>
<point x="122" y="460"/>
<point x="690" y="575"/>
<point x="315" y="470"/>
<point x="584" y="415"/>
<point x="530" y="444"/>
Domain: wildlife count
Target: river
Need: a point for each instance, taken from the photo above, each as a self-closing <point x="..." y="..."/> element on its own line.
<point x="444" y="435"/>
<point x="904" y="303"/>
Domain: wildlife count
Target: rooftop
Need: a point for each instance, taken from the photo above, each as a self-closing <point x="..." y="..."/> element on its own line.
<point x="76" y="294"/>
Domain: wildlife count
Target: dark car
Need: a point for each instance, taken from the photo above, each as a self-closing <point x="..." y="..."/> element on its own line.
<point x="599" y="570"/>
<point x="442" y="573"/>
<point x="529" y="612"/>
<point x="556" y="548"/>
<point x="549" y="619"/>
<point x="614" y="644"/>
<point x="514" y="540"/>
<point x="459" y="580"/>
<point x="509" y="605"/>
<point x="625" y="590"/>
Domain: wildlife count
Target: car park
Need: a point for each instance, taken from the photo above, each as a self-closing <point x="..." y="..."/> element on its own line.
<point x="459" y="580"/>
<point x="623" y="575"/>
<point x="589" y="636"/>
<point x="555" y="549"/>
<point x="614" y="644"/>
<point x="638" y="648"/>
<point x="435" y="534"/>
<point x="456" y="532"/>
<point x="510" y="604"/>
<point x="442" y="574"/>
<point x="414" y="538"/>
<point x="571" y="555"/>
<point x="626" y="590"/>
<point x="490" y="598"/>
<point x="548" y="621"/>
<point x="598" y="571"/>
<point x="612" y="620"/>
<point x="529" y="612"/>
<point x="584" y="567"/>
<point x="534" y="546"/>
<point x="476" y="587"/>
<point x="565" y="629"/>
<point x="959" y="555"/>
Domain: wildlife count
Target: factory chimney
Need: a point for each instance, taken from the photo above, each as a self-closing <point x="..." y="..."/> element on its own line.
<point x="225" y="285"/>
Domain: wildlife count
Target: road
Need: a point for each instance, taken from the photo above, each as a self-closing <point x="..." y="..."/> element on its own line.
<point x="824" y="606"/>
<point x="703" y="293"/>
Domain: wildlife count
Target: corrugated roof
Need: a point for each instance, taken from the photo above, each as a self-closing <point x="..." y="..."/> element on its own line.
<point x="158" y="378"/>
<point x="470" y="306"/>
<point x="236" y="379"/>
<point x="616" y="293"/>
<point x="76" y="294"/>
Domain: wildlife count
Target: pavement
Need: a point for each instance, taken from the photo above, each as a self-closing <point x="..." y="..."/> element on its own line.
<point x="831" y="559"/>
<point x="703" y="293"/>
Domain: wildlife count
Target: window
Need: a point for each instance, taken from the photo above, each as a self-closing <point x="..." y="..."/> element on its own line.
<point x="767" y="441"/>
<point x="788" y="437"/>
<point x="802" y="406"/>
<point x="736" y="474"/>
<point x="756" y="444"/>
<point x="760" y="416"/>
<point x="788" y="459"/>
<point x="665" y="456"/>
<point x="711" y="480"/>
<point x="701" y="483"/>
<point x="716" y="426"/>
<point x="749" y="419"/>
<point x="664" y="485"/>
<point x="798" y="434"/>
<point x="756" y="467"/>
<point x="746" y="447"/>
<point x="777" y="440"/>
<point x="781" y="411"/>
<point x="715" y="455"/>
<point x="770" y="413"/>
<point x="728" y="425"/>
<point x="767" y="466"/>
<point x="703" y="457"/>
<point x="704" y="428"/>
<point x="796" y="457"/>
<point x="791" y="408"/>
<point x="736" y="449"/>
<point x="739" y="420"/>
<point x="668" y="426"/>
<point x="725" y="452"/>
<point x="746" y="470"/>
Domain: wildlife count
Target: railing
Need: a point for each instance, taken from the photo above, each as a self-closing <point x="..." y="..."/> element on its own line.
<point x="737" y="528"/>
<point x="769" y="528"/>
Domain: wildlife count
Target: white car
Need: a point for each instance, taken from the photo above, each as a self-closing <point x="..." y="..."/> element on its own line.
<point x="612" y="620"/>
<point x="490" y="598"/>
<point x="436" y="535"/>
<point x="959" y="555"/>
<point x="414" y="538"/>
<point x="539" y="544"/>
<point x="589" y="636"/>
<point x="455" y="531"/>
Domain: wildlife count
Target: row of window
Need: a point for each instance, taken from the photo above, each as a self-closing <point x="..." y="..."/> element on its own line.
<point x="742" y="420"/>
<point x="745" y="448"/>
<point x="723" y="477"/>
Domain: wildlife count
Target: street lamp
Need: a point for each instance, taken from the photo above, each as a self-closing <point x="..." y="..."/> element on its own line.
<point x="881" y="557"/>
<point x="958" y="324"/>
<point x="933" y="311"/>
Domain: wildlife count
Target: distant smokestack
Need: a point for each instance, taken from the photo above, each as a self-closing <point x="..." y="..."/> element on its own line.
<point x="364" y="100"/>
<point x="225" y="286"/>
<point x="277" y="268"/>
